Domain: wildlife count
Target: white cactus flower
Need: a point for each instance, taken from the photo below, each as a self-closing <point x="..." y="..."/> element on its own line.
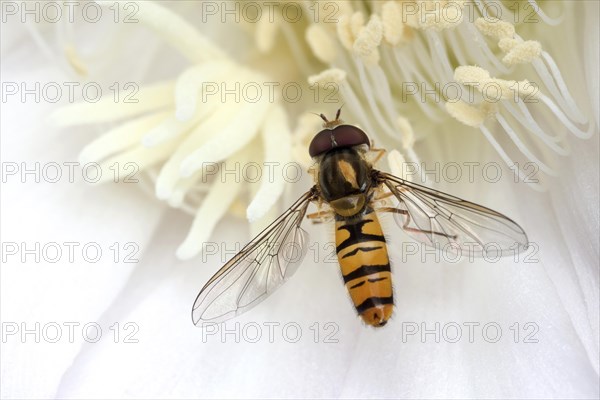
<point x="450" y="82"/>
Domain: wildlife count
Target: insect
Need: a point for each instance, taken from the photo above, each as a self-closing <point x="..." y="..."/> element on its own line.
<point x="349" y="190"/>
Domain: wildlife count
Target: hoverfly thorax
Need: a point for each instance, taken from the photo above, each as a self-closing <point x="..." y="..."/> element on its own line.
<point x="344" y="180"/>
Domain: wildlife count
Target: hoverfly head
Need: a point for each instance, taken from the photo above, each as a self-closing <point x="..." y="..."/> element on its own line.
<point x="336" y="135"/>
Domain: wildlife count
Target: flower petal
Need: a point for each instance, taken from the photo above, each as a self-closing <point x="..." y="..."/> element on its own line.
<point x="277" y="141"/>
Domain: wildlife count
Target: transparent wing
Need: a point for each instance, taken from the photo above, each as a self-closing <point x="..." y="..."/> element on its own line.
<point x="257" y="270"/>
<point x="452" y="224"/>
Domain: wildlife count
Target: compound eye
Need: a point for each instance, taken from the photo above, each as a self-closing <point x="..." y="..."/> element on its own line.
<point x="321" y="143"/>
<point x="349" y="136"/>
<point x="338" y="137"/>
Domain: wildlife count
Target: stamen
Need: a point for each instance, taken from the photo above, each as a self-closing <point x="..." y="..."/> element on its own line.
<point x="467" y="114"/>
<point x="397" y="162"/>
<point x="332" y="75"/>
<point x="468" y="75"/>
<point x="306" y="127"/>
<point x="437" y="15"/>
<point x="367" y="41"/>
<point x="373" y="107"/>
<point x="482" y="55"/>
<point x="520" y="53"/>
<point x="344" y="32"/>
<point x="411" y="73"/>
<point x="566" y="122"/>
<point x="296" y="47"/>
<point x="393" y="26"/>
<point x="495" y="28"/>
<point x="323" y="12"/>
<point x="522" y="147"/>
<point x="480" y="79"/>
<point x="408" y="135"/>
<point x="526" y="119"/>
<point x="355" y="105"/>
<point x="382" y="86"/>
<point x="321" y="43"/>
<point x="75" y="61"/>
<point x="552" y="78"/>
<point x="439" y="56"/>
<point x="357" y="23"/>
<point x="548" y="20"/>
<point x="509" y="162"/>
<point x="266" y="34"/>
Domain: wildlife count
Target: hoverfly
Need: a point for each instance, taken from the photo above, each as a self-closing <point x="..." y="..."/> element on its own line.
<point x="348" y="189"/>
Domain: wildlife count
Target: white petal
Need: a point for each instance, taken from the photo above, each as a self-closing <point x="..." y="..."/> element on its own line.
<point x="194" y="83"/>
<point x="150" y="98"/>
<point x="214" y="206"/>
<point x="172" y="27"/>
<point x="241" y="129"/>
<point x="120" y="138"/>
<point x="170" y="173"/>
<point x="277" y="141"/>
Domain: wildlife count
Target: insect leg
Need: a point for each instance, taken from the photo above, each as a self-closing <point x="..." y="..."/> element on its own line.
<point x="383" y="196"/>
<point x="378" y="155"/>
<point x="313" y="172"/>
<point x="379" y="198"/>
<point x="377" y="151"/>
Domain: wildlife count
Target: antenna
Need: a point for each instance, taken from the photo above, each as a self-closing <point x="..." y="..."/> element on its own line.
<point x="331" y="124"/>
<point x="339" y="111"/>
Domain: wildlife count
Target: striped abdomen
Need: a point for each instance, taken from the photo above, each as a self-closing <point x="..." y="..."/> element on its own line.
<point x="365" y="265"/>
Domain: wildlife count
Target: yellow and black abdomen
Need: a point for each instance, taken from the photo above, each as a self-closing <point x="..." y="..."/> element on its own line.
<point x="363" y="258"/>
